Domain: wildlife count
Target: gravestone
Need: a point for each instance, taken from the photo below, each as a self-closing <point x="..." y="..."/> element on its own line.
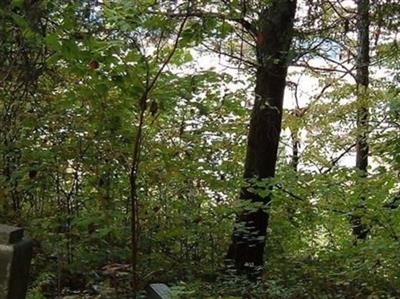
<point x="158" y="291"/>
<point x="15" y="259"/>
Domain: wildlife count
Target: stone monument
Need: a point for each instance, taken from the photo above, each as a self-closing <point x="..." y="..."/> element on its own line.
<point x="158" y="291"/>
<point x="15" y="259"/>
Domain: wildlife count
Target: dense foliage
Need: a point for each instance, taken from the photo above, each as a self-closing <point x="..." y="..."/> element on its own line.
<point x="123" y="136"/>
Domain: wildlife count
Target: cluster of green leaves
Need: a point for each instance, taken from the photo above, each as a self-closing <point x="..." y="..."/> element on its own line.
<point x="72" y="76"/>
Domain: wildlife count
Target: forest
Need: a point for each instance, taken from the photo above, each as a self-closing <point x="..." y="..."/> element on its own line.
<point x="226" y="148"/>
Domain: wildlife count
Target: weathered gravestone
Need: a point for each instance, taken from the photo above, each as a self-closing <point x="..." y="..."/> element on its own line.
<point x="15" y="259"/>
<point x="158" y="291"/>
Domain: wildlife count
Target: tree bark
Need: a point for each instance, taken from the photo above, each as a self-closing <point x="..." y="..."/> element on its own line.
<point x="273" y="44"/>
<point x="295" y="150"/>
<point x="360" y="230"/>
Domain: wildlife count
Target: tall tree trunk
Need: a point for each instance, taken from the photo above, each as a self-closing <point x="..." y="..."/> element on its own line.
<point x="295" y="149"/>
<point x="360" y="230"/>
<point x="273" y="45"/>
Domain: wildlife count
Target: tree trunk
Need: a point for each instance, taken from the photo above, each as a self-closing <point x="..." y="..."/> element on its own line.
<point x="295" y="149"/>
<point x="360" y="230"/>
<point x="273" y="45"/>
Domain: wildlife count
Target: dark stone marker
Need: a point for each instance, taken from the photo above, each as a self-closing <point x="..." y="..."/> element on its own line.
<point x="158" y="291"/>
<point x="15" y="259"/>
